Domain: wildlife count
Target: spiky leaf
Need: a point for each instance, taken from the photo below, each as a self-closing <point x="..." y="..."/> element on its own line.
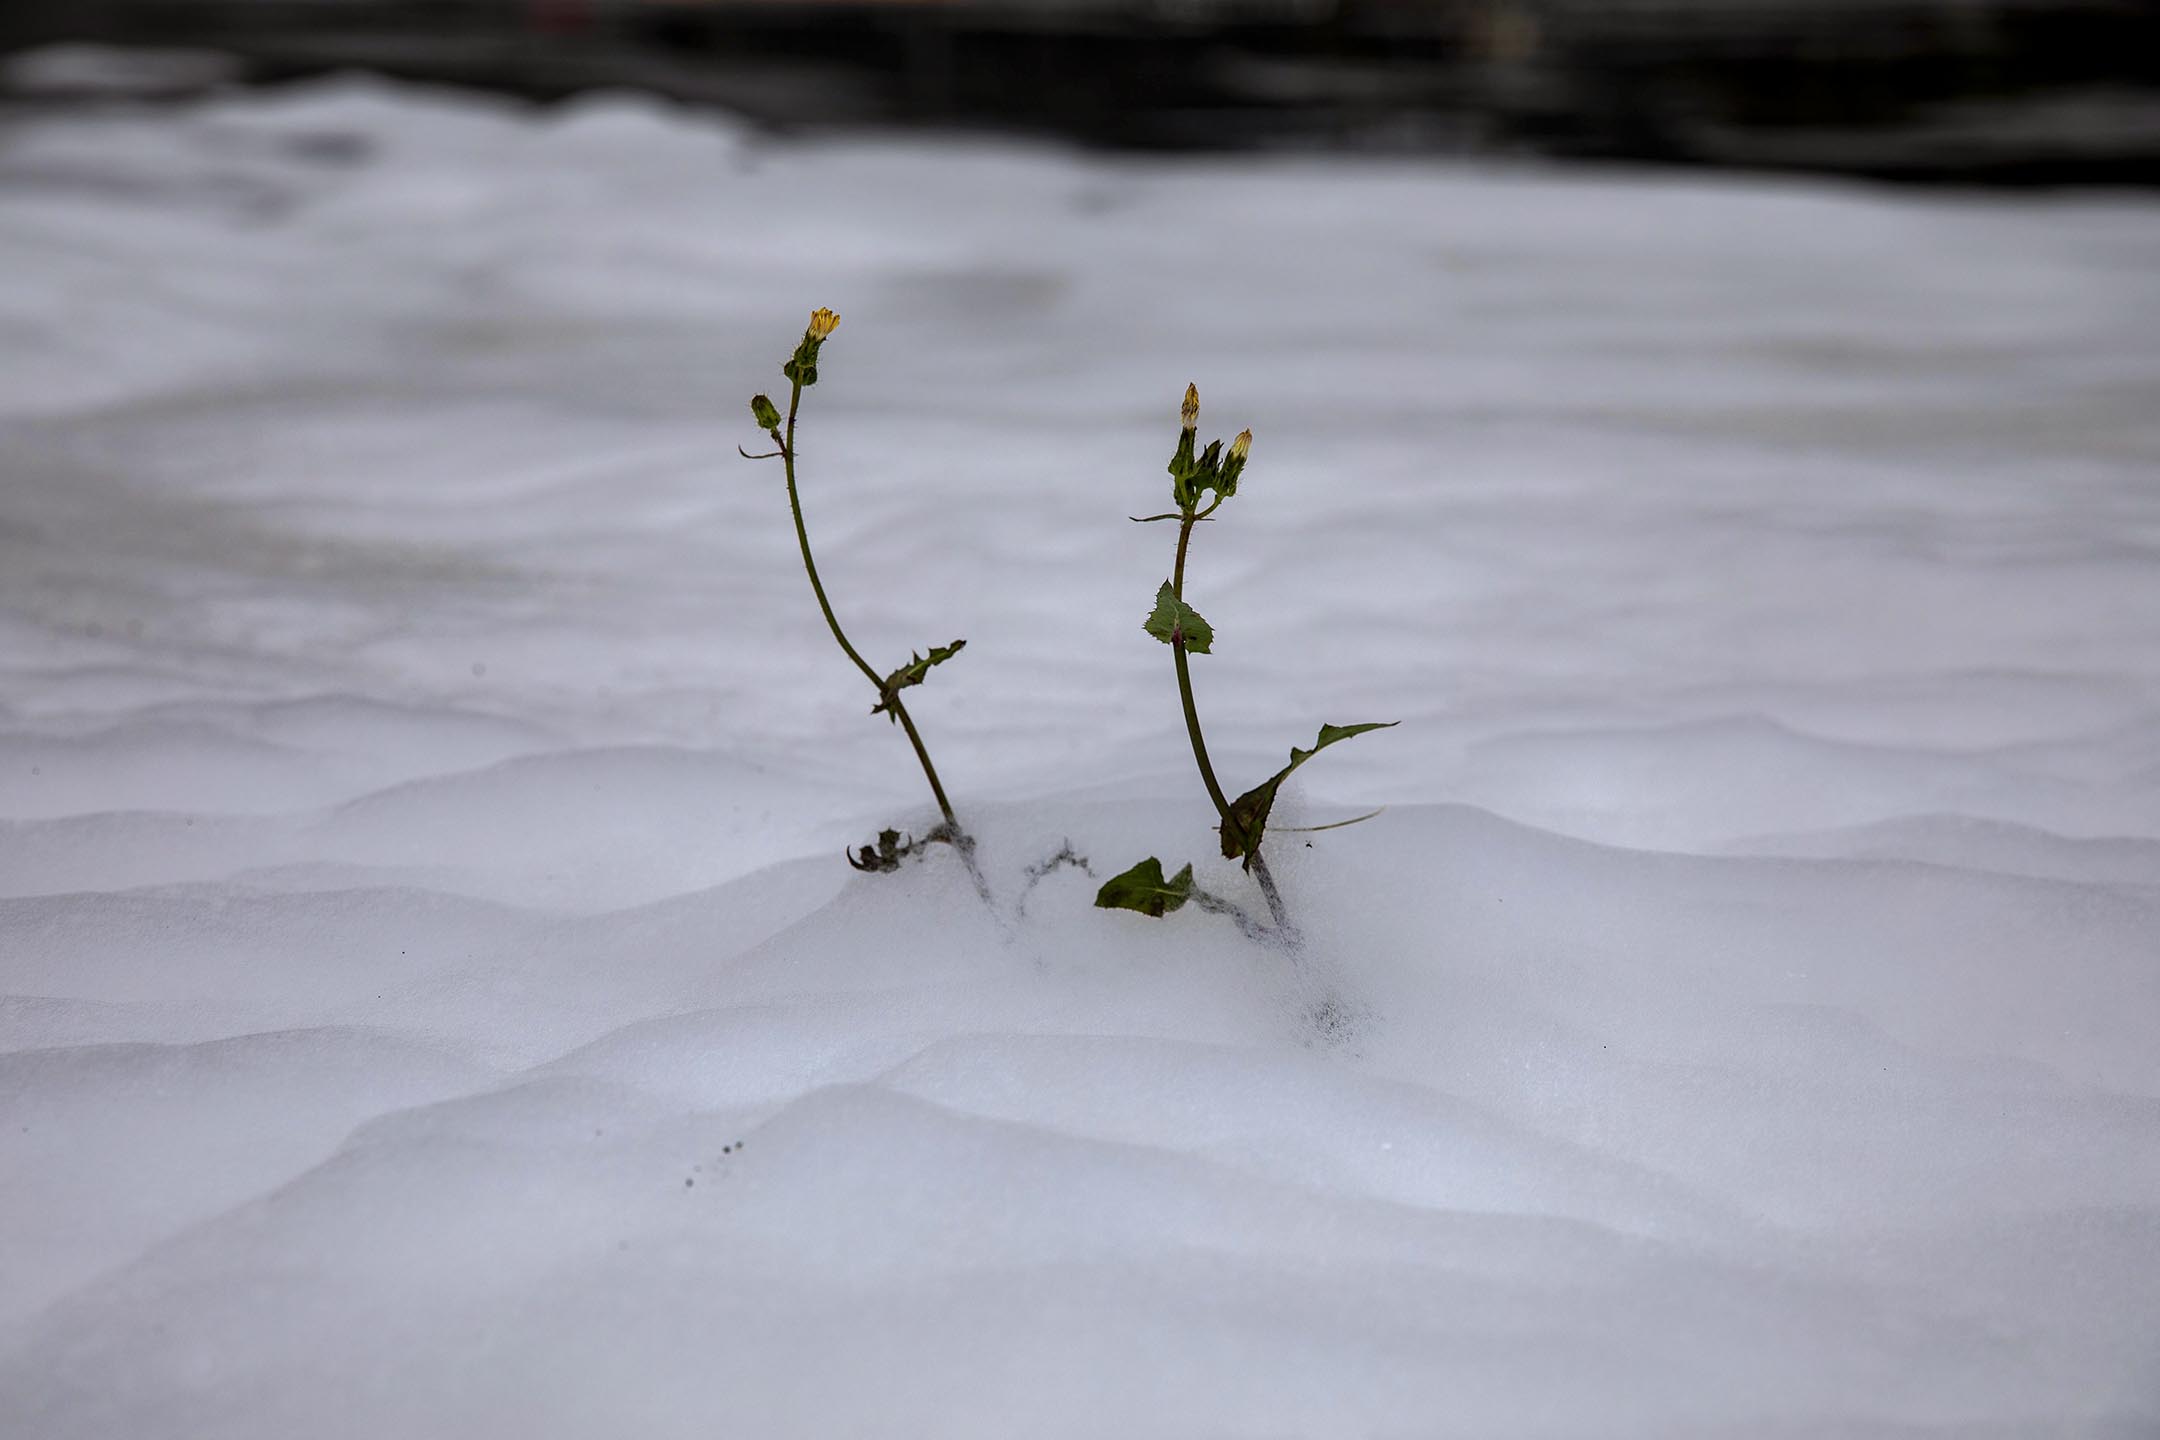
<point x="912" y="673"/>
<point x="1144" y="889"/>
<point x="1242" y="832"/>
<point x="1206" y="469"/>
<point x="887" y="854"/>
<point x="1173" y="622"/>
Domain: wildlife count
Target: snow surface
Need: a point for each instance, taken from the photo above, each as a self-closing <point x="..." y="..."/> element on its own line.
<point x="435" y="1004"/>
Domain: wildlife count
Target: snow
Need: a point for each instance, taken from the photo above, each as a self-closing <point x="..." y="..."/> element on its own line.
<point x="432" y="1000"/>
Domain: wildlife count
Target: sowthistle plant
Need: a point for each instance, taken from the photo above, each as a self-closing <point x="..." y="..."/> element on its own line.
<point x="1200" y="483"/>
<point x="801" y="372"/>
<point x="1243" y="821"/>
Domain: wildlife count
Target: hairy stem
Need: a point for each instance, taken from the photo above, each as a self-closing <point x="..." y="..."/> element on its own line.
<point x="817" y="586"/>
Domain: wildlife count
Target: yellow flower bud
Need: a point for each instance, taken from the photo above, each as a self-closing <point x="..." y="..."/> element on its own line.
<point x="1242" y="446"/>
<point x="1191" y="413"/>
<point x="822" y="323"/>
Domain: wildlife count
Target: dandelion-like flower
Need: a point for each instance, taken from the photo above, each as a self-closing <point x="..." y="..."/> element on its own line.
<point x="1191" y="413"/>
<point x="823" y="322"/>
<point x="1242" y="446"/>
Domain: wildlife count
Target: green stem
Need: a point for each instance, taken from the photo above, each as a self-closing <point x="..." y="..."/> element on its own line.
<point x="1254" y="860"/>
<point x="817" y="587"/>
<point x="1184" y="678"/>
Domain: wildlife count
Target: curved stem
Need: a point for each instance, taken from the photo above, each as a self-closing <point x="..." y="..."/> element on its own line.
<point x="817" y="587"/>
<point x="1254" y="862"/>
<point x="937" y="791"/>
<point x="1184" y="679"/>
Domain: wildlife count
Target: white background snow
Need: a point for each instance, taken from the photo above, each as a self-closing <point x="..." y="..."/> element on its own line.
<point x="434" y="1001"/>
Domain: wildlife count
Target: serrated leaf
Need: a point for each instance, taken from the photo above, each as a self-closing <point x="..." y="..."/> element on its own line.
<point x="1144" y="889"/>
<point x="1329" y="734"/>
<point x="1208" y="465"/>
<point x="1242" y="832"/>
<point x="1173" y="620"/>
<point x="912" y="673"/>
<point x="886" y="855"/>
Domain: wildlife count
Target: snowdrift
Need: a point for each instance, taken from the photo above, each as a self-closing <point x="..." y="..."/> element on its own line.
<point x="432" y="1000"/>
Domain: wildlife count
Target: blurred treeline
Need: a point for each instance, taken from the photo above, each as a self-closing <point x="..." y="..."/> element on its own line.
<point x="2046" y="91"/>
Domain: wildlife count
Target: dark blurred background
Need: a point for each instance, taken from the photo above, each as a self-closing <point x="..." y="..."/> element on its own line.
<point x="1996" y="91"/>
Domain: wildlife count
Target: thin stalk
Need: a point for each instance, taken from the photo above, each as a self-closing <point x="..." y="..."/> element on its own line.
<point x="1256" y="862"/>
<point x="1184" y="677"/>
<point x="817" y="586"/>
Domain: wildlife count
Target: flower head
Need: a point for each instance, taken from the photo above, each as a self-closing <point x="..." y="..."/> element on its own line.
<point x="1191" y="413"/>
<point x="1242" y="446"/>
<point x="823" y="322"/>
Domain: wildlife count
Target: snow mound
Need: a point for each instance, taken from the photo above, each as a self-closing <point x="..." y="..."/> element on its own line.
<point x="432" y="999"/>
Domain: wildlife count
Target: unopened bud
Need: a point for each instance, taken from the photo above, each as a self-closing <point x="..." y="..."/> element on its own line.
<point x="1233" y="465"/>
<point x="1191" y="413"/>
<point x="802" y="366"/>
<point x="764" y="412"/>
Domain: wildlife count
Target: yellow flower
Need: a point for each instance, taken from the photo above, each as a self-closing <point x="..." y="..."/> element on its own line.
<point x="1191" y="413"/>
<point x="1242" y="446"/>
<point x="822" y="323"/>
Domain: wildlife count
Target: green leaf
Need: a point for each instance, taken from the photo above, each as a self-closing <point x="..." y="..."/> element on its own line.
<point x="1207" y="467"/>
<point x="1144" y="889"/>
<point x="1329" y="734"/>
<point x="912" y="673"/>
<point x="1242" y="832"/>
<point x="1173" y="622"/>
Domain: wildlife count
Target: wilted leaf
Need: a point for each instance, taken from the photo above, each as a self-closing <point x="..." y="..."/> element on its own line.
<point x="912" y="673"/>
<point x="1144" y="889"/>
<point x="1242" y="832"/>
<point x="1173" y="620"/>
<point x="887" y="855"/>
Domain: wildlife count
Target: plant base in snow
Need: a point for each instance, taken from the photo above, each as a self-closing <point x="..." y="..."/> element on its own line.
<point x="890" y="850"/>
<point x="1243" y="821"/>
<point x="1144" y="888"/>
<point x="801" y="372"/>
